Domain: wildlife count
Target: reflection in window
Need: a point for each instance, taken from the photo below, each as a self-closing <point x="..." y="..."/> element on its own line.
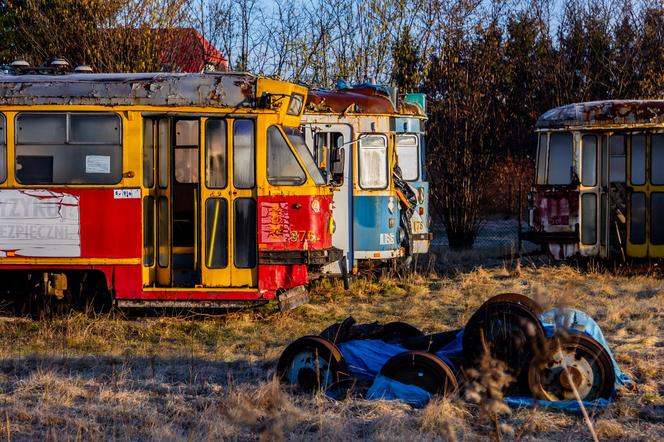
<point x="215" y="148"/>
<point x="637" y="226"/>
<point x="186" y="133"/>
<point x="58" y="148"/>
<point x="282" y="166"/>
<point x="186" y="165"/>
<point x="163" y="152"/>
<point x="656" y="217"/>
<point x="216" y="233"/>
<point x="408" y="158"/>
<point x="244" y="154"/>
<point x="560" y="158"/>
<point x="3" y="150"/>
<point x="373" y="162"/>
<point x="148" y="152"/>
<point x="589" y="161"/>
<point x="297" y="140"/>
<point x="657" y="159"/>
<point x="162" y="232"/>
<point x="541" y="159"/>
<point x="638" y="160"/>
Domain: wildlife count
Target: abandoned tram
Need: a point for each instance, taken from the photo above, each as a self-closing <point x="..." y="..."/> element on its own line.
<point x="159" y="189"/>
<point x="599" y="188"/>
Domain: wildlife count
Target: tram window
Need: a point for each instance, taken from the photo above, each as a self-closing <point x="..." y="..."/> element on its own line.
<point x="148" y="231"/>
<point x="589" y="218"/>
<point x="617" y="162"/>
<point x="657" y="160"/>
<point x="244" y="248"/>
<point x="541" y="159"/>
<point x="216" y="154"/>
<point x="162" y="232"/>
<point x="148" y="153"/>
<point x="216" y="233"/>
<point x="560" y="158"/>
<point x="637" y="229"/>
<point x="656" y="217"/>
<point x="589" y="161"/>
<point x="297" y="140"/>
<point x="94" y="128"/>
<point x="56" y="148"/>
<point x="282" y="166"/>
<point x="637" y="174"/>
<point x="186" y="133"/>
<point x="407" y="154"/>
<point x="373" y="162"/>
<point x="162" y="143"/>
<point x="3" y="150"/>
<point x="186" y="151"/>
<point x="244" y="154"/>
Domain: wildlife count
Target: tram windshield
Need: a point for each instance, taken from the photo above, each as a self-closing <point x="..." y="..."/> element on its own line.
<point x="555" y="159"/>
<point x="297" y="140"/>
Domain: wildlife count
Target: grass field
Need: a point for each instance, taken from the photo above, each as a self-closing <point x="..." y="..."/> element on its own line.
<point x="211" y="377"/>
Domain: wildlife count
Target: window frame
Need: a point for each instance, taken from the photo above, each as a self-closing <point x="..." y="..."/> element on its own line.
<point x="69" y="143"/>
<point x="417" y="154"/>
<point x="292" y="151"/>
<point x="359" y="160"/>
<point x="207" y="180"/>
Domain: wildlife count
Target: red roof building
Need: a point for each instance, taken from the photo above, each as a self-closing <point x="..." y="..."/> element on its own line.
<point x="186" y="50"/>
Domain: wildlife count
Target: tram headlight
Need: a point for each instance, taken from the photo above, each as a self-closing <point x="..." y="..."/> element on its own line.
<point x="295" y="104"/>
<point x="332" y="226"/>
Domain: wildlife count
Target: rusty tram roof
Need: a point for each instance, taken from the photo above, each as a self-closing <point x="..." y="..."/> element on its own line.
<point x="151" y="89"/>
<point x="357" y="100"/>
<point x="608" y="113"/>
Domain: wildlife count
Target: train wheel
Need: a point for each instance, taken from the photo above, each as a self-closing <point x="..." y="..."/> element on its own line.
<point x="588" y="366"/>
<point x="424" y="370"/>
<point x="506" y="326"/>
<point x="312" y="364"/>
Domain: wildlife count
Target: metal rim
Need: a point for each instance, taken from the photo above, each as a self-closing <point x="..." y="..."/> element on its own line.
<point x="311" y="364"/>
<point x="508" y="326"/>
<point x="589" y="370"/>
<point x="424" y="370"/>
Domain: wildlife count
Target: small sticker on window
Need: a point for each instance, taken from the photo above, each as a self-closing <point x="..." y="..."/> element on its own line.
<point x="97" y="164"/>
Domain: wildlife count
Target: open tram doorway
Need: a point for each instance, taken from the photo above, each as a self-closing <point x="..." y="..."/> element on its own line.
<point x="200" y="212"/>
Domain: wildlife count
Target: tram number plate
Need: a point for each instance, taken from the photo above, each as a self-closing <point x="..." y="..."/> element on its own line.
<point x="387" y="238"/>
<point x="302" y="235"/>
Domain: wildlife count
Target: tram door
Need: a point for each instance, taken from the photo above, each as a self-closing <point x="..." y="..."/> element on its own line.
<point x="646" y="196"/>
<point x="228" y="203"/>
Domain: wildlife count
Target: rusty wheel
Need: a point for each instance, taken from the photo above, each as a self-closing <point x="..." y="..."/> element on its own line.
<point x="312" y="364"/>
<point x="589" y="370"/>
<point x="506" y="326"/>
<point x="424" y="370"/>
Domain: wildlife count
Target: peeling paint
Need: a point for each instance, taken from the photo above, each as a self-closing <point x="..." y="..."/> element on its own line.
<point x="610" y="113"/>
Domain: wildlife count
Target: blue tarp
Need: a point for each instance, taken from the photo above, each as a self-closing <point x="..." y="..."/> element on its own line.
<point x="365" y="358"/>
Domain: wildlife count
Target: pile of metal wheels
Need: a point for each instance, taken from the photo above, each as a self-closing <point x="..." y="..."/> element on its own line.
<point x="566" y="365"/>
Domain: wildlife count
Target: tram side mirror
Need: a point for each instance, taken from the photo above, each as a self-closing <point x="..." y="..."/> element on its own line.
<point x="338" y="162"/>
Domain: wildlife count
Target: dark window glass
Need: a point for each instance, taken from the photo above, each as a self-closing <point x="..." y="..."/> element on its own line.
<point x="244" y="154"/>
<point x="245" y="233"/>
<point x="560" y="158"/>
<point x="541" y="159"/>
<point x="162" y="232"/>
<point x="3" y="149"/>
<point x="657" y="218"/>
<point x="589" y="163"/>
<point x="58" y="148"/>
<point x="617" y="162"/>
<point x="148" y="152"/>
<point x="148" y="231"/>
<point x="638" y="160"/>
<point x="216" y="152"/>
<point x="216" y="233"/>
<point x="162" y="146"/>
<point x="589" y="218"/>
<point x="282" y="166"/>
<point x="657" y="159"/>
<point x="603" y="221"/>
<point x="637" y="229"/>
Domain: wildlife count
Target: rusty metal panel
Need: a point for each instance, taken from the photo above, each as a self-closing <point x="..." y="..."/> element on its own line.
<point x="610" y="113"/>
<point x="361" y="100"/>
<point x="149" y="89"/>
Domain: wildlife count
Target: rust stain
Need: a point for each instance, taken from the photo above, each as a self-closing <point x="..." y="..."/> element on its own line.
<point x="360" y="100"/>
<point x="610" y="113"/>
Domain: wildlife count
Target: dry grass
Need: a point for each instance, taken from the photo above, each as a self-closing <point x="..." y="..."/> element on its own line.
<point x="211" y="378"/>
